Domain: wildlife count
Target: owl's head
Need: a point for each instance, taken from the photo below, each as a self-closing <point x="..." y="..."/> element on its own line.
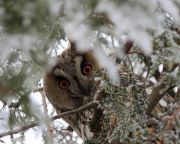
<point x="69" y="82"/>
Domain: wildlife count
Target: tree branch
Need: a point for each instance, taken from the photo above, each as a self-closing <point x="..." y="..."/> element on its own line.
<point x="156" y="95"/>
<point x="35" y="123"/>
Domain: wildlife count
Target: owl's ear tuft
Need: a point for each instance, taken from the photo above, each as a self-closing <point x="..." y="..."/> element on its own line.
<point x="72" y="45"/>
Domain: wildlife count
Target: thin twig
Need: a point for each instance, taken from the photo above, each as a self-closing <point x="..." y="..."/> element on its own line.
<point x="23" y="128"/>
<point x="15" y="105"/>
<point x="35" y="123"/>
<point x="135" y="52"/>
<point x="38" y="89"/>
<point x="44" y="103"/>
<point x="80" y="109"/>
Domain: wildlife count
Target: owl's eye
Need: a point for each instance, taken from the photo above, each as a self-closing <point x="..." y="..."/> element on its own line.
<point x="86" y="68"/>
<point x="64" y="84"/>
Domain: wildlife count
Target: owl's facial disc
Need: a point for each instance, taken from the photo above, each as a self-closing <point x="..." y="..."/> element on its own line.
<point x="75" y="81"/>
<point x="70" y="82"/>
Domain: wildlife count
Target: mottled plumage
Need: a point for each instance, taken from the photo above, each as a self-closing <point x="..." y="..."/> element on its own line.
<point x="69" y="85"/>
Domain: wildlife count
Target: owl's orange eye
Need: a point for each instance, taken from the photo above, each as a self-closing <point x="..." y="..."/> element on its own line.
<point x="64" y="84"/>
<point x="86" y="68"/>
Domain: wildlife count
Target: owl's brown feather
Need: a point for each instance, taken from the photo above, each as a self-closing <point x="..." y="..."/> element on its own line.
<point x="69" y="65"/>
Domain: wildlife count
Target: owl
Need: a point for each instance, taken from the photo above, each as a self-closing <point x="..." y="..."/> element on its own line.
<point x="69" y="84"/>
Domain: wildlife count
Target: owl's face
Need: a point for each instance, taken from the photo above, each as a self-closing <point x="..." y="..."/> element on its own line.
<point x="70" y="81"/>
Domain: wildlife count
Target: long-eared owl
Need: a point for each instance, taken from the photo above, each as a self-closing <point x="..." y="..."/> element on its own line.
<point x="69" y="84"/>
